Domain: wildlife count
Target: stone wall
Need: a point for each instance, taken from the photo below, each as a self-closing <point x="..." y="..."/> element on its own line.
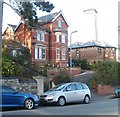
<point x="28" y="86"/>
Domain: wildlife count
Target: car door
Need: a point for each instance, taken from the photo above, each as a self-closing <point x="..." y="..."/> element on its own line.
<point x="70" y="93"/>
<point x="0" y="96"/>
<point x="9" y="97"/>
<point x="80" y="92"/>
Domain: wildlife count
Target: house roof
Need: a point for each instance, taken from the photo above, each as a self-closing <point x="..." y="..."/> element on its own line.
<point x="92" y="43"/>
<point x="38" y="26"/>
<point x="12" y="26"/>
<point x="51" y="17"/>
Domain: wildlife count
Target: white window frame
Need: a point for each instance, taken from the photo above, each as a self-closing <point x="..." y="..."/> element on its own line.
<point x="57" y="54"/>
<point x="57" y="38"/>
<point x="39" y="53"/>
<point x="63" y="53"/>
<point x="63" y="38"/>
<point x="36" y="53"/>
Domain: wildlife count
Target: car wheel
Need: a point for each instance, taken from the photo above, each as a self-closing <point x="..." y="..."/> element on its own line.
<point x="29" y="104"/>
<point x="61" y="101"/>
<point x="86" y="99"/>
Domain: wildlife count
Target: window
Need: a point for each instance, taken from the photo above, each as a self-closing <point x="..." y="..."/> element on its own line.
<point x="59" y="23"/>
<point x="57" y="37"/>
<point x="7" y="90"/>
<point x="44" y="53"/>
<point x="36" y="53"/>
<point x="71" y="87"/>
<point x="40" y="53"/>
<point x="84" y="86"/>
<point x="38" y="35"/>
<point x="77" y="52"/>
<point x="99" y="51"/>
<point x="57" y="54"/>
<point x="63" y="38"/>
<point x="79" y="86"/>
<point x="42" y="36"/>
<point x="63" y="53"/>
<point x="12" y="36"/>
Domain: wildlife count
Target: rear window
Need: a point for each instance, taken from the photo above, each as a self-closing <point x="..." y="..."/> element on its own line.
<point x="84" y="86"/>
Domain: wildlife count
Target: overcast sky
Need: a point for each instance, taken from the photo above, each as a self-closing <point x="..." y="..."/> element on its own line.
<point x="107" y="19"/>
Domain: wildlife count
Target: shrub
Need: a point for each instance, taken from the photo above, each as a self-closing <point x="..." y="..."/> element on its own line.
<point x="61" y="77"/>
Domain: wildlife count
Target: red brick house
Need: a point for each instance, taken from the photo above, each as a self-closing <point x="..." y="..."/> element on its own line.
<point x="48" y="42"/>
<point x="93" y="51"/>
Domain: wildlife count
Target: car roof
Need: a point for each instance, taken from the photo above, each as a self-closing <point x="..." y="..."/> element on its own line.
<point x="70" y="83"/>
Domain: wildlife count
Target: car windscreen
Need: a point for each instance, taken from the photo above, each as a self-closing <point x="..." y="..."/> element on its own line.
<point x="57" y="88"/>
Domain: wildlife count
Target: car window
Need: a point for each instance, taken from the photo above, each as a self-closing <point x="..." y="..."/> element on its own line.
<point x="6" y="90"/>
<point x="71" y="87"/>
<point x="79" y="86"/>
<point x="84" y="86"/>
<point x="57" y="88"/>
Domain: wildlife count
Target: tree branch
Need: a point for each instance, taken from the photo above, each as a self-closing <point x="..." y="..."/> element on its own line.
<point x="12" y="7"/>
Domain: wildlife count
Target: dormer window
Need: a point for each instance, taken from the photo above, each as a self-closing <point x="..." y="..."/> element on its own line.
<point x="59" y="23"/>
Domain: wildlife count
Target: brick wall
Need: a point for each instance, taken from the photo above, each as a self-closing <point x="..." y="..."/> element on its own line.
<point x="92" y="54"/>
<point x="104" y="90"/>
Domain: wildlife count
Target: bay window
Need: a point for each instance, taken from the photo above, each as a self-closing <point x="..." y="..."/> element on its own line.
<point x="40" y="52"/>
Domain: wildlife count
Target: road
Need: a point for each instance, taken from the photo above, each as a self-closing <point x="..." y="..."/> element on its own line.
<point x="99" y="105"/>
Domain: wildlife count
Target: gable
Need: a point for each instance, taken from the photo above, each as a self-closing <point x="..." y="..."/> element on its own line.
<point x="52" y="17"/>
<point x="63" y="17"/>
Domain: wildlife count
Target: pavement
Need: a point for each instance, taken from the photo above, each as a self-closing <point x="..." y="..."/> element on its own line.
<point x="96" y="97"/>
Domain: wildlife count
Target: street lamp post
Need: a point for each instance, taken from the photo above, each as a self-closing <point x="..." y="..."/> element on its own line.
<point x="71" y="54"/>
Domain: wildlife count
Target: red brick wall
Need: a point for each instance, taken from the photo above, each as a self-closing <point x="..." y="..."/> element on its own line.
<point x="104" y="90"/>
<point x="8" y="34"/>
<point x="91" y="54"/>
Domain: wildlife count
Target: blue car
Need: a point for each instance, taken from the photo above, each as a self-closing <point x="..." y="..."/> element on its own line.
<point x="12" y="98"/>
<point x="117" y="92"/>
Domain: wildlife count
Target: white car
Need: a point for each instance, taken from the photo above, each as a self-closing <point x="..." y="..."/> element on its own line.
<point x="67" y="93"/>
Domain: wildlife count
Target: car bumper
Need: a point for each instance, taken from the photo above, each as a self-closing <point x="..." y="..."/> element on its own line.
<point x="47" y="101"/>
<point x="117" y="94"/>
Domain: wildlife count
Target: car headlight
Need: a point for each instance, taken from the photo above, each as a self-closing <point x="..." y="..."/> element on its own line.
<point x="50" y="96"/>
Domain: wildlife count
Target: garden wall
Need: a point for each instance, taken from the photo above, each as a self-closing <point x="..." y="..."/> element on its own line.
<point x="28" y="86"/>
<point x="105" y="89"/>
